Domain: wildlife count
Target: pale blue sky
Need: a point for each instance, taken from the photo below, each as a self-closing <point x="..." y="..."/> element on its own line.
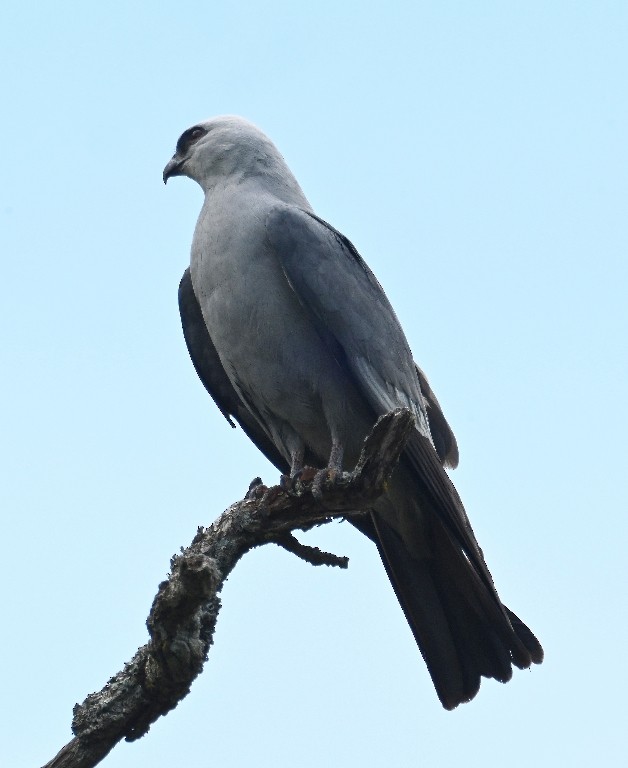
<point x="475" y="153"/>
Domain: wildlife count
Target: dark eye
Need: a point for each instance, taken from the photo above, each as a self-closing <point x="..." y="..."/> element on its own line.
<point x="189" y="137"/>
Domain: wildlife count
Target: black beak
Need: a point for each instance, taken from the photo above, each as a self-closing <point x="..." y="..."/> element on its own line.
<point x="174" y="168"/>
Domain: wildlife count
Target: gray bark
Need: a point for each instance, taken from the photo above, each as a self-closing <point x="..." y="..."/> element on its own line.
<point x="183" y="616"/>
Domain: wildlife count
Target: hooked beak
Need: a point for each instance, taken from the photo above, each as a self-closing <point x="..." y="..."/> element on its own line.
<point x="174" y="168"/>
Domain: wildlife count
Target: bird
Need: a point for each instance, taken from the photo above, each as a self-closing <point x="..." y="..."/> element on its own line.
<point x="295" y="340"/>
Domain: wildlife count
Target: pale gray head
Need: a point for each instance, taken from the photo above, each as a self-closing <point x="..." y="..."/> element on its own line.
<point x="227" y="146"/>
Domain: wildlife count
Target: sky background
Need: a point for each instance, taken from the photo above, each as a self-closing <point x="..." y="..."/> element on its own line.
<point x="475" y="153"/>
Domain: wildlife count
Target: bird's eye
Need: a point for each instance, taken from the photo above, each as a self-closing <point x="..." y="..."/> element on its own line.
<point x="189" y="137"/>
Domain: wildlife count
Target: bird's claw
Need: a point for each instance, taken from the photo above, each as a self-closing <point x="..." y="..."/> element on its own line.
<point x="286" y="483"/>
<point x="294" y="484"/>
<point x="325" y="478"/>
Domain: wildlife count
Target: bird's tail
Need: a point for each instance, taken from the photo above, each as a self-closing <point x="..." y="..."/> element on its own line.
<point x="463" y="630"/>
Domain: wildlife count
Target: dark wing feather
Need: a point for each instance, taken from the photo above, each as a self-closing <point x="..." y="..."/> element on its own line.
<point x="347" y="303"/>
<point x="460" y="624"/>
<point x="336" y="286"/>
<point x="212" y="374"/>
<point x="442" y="434"/>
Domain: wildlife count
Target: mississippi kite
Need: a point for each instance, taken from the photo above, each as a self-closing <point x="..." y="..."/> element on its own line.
<point x="294" y="338"/>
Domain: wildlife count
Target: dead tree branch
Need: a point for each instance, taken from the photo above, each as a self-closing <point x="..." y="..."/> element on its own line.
<point x="311" y="555"/>
<point x="184" y="612"/>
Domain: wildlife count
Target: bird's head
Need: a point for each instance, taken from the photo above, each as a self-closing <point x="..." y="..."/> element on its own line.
<point x="223" y="147"/>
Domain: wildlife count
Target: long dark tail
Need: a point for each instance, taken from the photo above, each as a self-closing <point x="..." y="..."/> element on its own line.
<point x="463" y="630"/>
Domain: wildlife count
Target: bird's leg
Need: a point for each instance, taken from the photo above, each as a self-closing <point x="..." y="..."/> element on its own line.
<point x="296" y="461"/>
<point x="335" y="457"/>
<point x="331" y="471"/>
<point x="296" y="468"/>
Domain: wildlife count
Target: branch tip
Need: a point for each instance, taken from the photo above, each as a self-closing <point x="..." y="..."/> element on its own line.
<point x="311" y="555"/>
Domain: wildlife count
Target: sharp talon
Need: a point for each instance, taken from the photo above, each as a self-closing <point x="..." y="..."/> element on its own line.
<point x="323" y="477"/>
<point x="294" y="484"/>
<point x="307" y="474"/>
<point x="285" y="482"/>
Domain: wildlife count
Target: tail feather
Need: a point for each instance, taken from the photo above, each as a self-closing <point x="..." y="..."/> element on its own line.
<point x="463" y="631"/>
<point x="528" y="638"/>
<point x="427" y="615"/>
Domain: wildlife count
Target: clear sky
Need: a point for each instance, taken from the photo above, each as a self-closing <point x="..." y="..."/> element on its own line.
<point x="476" y="155"/>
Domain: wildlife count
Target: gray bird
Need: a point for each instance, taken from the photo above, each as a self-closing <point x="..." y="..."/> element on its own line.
<point x="294" y="338"/>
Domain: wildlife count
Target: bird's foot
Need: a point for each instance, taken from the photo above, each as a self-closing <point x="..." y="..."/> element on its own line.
<point x="332" y="474"/>
<point x="325" y="478"/>
<point x="294" y="484"/>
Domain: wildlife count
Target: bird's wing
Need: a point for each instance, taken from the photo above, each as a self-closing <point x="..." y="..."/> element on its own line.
<point x="349" y="309"/>
<point x="212" y="374"/>
<point x="442" y="434"/>
<point x="353" y="316"/>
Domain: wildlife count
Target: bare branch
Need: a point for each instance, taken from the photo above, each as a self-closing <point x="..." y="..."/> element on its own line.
<point x="312" y="555"/>
<point x="184" y="613"/>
